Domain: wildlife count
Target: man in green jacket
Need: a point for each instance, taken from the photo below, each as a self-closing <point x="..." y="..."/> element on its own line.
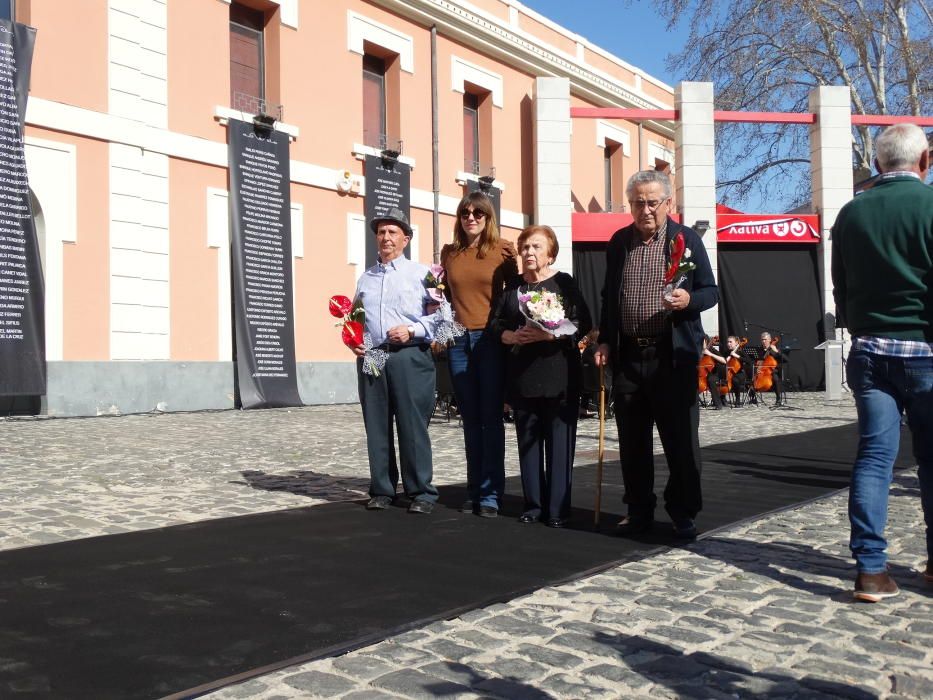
<point x="882" y="270"/>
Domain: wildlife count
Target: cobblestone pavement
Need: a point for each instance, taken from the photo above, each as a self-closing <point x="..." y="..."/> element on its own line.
<point x="65" y="478"/>
<point x="759" y="609"/>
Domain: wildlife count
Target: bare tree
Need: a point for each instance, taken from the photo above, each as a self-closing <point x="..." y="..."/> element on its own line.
<point x="766" y="55"/>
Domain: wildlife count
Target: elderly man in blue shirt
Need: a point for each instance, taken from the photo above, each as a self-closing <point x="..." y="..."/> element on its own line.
<point x="396" y="302"/>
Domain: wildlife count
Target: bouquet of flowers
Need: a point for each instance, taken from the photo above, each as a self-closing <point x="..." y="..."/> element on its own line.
<point x="545" y="310"/>
<point x="351" y="323"/>
<point x="679" y="265"/>
<point x="446" y="327"/>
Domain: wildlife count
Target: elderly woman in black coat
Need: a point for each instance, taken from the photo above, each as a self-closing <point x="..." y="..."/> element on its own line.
<point x="543" y="374"/>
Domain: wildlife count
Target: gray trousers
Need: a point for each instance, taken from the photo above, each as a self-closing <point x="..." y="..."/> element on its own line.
<point x="403" y="393"/>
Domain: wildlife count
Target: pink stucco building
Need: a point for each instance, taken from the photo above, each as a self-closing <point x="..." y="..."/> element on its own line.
<point x="127" y="157"/>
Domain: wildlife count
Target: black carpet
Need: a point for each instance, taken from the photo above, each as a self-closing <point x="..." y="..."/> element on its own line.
<point x="159" y="612"/>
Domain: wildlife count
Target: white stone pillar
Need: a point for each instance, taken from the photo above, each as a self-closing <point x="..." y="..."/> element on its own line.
<point x="695" y="171"/>
<point x="553" y="204"/>
<point x="831" y="175"/>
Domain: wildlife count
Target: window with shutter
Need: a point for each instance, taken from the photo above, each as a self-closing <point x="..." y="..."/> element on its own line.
<point x="374" y="101"/>
<point x="470" y="133"/>
<point x="247" y="59"/>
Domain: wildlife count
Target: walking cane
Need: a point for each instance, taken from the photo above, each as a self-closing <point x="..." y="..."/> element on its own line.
<point x="600" y="449"/>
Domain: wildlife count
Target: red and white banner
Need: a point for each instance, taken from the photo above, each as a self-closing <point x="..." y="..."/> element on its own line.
<point x="767" y="228"/>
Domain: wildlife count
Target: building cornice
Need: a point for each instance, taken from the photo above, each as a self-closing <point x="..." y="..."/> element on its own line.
<point x="488" y="34"/>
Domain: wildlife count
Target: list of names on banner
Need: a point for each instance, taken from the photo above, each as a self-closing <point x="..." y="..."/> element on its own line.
<point x="14" y="206"/>
<point x="388" y="190"/>
<point x="265" y="283"/>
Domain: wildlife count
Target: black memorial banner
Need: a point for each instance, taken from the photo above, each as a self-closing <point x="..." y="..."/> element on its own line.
<point x="22" y="287"/>
<point x="494" y="194"/>
<point x="260" y="224"/>
<point x="388" y="186"/>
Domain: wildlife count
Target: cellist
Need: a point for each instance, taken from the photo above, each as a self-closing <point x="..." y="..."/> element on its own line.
<point x="737" y="372"/>
<point x="717" y="375"/>
<point x="758" y="357"/>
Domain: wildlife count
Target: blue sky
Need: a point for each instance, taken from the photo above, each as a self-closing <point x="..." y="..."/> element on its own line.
<point x="634" y="33"/>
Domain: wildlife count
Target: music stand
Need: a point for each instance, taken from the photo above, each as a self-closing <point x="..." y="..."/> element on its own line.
<point x="788" y="347"/>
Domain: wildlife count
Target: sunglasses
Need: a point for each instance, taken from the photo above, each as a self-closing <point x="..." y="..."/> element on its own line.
<point x="477" y="214"/>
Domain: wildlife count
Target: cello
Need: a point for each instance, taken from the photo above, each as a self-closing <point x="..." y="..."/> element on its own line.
<point x="706" y="365"/>
<point x="733" y="367"/>
<point x="764" y="369"/>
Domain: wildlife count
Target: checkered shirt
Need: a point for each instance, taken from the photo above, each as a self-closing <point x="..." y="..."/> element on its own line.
<point x="892" y="347"/>
<point x="643" y="314"/>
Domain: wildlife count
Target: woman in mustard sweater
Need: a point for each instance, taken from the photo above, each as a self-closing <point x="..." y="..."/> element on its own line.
<point x="477" y="263"/>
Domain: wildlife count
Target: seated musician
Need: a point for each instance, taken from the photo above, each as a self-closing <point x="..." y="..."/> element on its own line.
<point x="756" y="356"/>
<point x="717" y="375"/>
<point x="740" y="377"/>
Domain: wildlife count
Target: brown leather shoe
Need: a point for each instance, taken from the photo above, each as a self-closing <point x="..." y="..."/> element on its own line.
<point x="872" y="588"/>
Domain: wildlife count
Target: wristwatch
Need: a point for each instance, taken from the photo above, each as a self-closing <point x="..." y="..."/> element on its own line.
<point x="411" y="331"/>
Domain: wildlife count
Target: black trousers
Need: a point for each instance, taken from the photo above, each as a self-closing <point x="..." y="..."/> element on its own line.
<point x="649" y="390"/>
<point x="402" y="394"/>
<point x="546" y="430"/>
<point x="716" y="376"/>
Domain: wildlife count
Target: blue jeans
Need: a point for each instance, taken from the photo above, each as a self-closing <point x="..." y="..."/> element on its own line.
<point x="885" y="386"/>
<point x="476" y="367"/>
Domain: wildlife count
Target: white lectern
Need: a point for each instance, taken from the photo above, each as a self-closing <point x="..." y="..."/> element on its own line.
<point x="832" y="361"/>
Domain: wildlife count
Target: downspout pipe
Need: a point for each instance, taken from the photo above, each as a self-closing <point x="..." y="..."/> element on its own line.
<point x="435" y="166"/>
<point x="641" y="145"/>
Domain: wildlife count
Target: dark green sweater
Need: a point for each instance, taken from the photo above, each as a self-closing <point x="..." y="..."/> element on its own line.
<point x="882" y="261"/>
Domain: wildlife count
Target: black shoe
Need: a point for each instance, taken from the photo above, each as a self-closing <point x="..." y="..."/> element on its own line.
<point x="528" y="518"/>
<point x="634" y="525"/>
<point x="488" y="512"/>
<point x="556" y="522"/>
<point x="685" y="529"/>
<point x="467" y="507"/>
<point x="379" y="503"/>
<point x="421" y="506"/>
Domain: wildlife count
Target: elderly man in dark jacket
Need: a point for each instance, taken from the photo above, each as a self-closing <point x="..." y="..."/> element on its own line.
<point x="653" y="338"/>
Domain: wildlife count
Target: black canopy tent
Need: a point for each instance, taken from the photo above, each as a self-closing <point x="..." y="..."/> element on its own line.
<point x="773" y="287"/>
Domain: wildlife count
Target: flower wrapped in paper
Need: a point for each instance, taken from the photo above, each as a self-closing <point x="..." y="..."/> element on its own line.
<point x="545" y="310"/>
<point x="374" y="359"/>
<point x="446" y="327"/>
<point x="678" y="266"/>
<point x="352" y="316"/>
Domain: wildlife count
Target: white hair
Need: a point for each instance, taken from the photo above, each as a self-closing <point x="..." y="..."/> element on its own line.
<point x="645" y="177"/>
<point x="900" y="146"/>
